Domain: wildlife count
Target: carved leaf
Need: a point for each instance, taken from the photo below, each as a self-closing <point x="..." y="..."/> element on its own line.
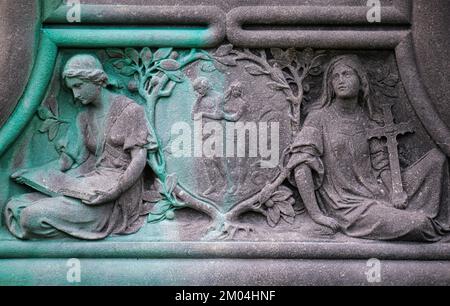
<point x="286" y="209"/>
<point x="306" y="88"/>
<point x="115" y="53"/>
<point x="171" y="182"/>
<point x="155" y="218"/>
<point x="278" y="75"/>
<point x="47" y="124"/>
<point x="387" y="91"/>
<point x="53" y="131"/>
<point x="226" y="60"/>
<point x="283" y="58"/>
<point x="162" y="53"/>
<point x="291" y="54"/>
<point x="391" y="80"/>
<point x="381" y="72"/>
<point x="127" y="71"/>
<point x="288" y="219"/>
<point x="308" y="55"/>
<point x="151" y="196"/>
<point x="315" y="71"/>
<point x="291" y="201"/>
<point x="169" y="65"/>
<point x="305" y="57"/>
<point x="224" y="50"/>
<point x="119" y="64"/>
<point x="133" y="55"/>
<point x="208" y="67"/>
<point x="281" y="195"/>
<point x="318" y="60"/>
<point x="277" y="86"/>
<point x="255" y="70"/>
<point x="273" y="216"/>
<point x="278" y="54"/>
<point x="270" y="222"/>
<point x="161" y="207"/>
<point x="44" y="113"/>
<point x="203" y="56"/>
<point x="146" y="56"/>
<point x="176" y="76"/>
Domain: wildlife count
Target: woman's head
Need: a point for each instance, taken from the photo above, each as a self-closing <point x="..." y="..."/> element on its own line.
<point x="84" y="76"/>
<point x="202" y="86"/>
<point x="345" y="81"/>
<point x="235" y="91"/>
<point x="345" y="78"/>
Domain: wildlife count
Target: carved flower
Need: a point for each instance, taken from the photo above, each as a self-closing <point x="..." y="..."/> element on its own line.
<point x="282" y="58"/>
<point x="383" y="79"/>
<point x="160" y="206"/>
<point x="225" y="55"/>
<point x="280" y="206"/>
<point x="51" y="122"/>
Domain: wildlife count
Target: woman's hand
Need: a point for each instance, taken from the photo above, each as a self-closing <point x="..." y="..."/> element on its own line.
<point x="101" y="197"/>
<point x="125" y="181"/>
<point x="326" y="221"/>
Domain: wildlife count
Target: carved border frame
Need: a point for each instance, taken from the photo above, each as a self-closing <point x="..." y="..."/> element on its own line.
<point x="332" y="26"/>
<point x="211" y="32"/>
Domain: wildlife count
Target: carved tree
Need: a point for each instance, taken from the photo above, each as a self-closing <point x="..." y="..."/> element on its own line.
<point x="155" y="75"/>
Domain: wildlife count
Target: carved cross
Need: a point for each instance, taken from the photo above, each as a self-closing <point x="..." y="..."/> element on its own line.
<point x="390" y="131"/>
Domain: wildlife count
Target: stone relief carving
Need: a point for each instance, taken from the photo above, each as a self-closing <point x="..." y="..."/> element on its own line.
<point x="96" y="190"/>
<point x="339" y="160"/>
<point x="352" y="183"/>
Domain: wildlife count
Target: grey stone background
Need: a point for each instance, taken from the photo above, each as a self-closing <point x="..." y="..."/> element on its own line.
<point x="18" y="24"/>
<point x="431" y="34"/>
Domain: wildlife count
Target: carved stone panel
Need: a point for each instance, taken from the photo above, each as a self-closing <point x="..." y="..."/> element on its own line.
<point x="214" y="126"/>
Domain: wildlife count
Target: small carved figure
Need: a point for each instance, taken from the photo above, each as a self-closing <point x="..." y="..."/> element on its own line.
<point x="210" y="106"/>
<point x="235" y="106"/>
<point x="207" y="107"/>
<point x="343" y="173"/>
<point x="208" y="103"/>
<point x="98" y="188"/>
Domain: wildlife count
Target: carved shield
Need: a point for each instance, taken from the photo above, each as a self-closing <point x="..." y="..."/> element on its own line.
<point x="245" y="122"/>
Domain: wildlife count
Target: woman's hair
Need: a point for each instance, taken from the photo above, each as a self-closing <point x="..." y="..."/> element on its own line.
<point x="233" y="87"/>
<point x="328" y="93"/>
<point x="201" y="81"/>
<point x="87" y="68"/>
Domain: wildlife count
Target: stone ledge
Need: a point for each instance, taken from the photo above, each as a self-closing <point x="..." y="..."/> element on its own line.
<point x="222" y="272"/>
<point x="242" y="250"/>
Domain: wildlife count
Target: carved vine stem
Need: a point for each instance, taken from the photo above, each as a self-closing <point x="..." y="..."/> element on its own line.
<point x="276" y="74"/>
<point x="297" y="75"/>
<point x="152" y="88"/>
<point x="156" y="76"/>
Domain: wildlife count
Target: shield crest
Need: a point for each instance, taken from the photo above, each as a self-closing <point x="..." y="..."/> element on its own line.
<point x="225" y="129"/>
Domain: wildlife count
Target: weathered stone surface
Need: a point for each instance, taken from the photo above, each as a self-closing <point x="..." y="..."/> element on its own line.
<point x="431" y="32"/>
<point x="363" y="143"/>
<point x="18" y="25"/>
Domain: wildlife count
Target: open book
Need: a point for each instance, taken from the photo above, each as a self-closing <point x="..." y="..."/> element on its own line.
<point x="49" y="180"/>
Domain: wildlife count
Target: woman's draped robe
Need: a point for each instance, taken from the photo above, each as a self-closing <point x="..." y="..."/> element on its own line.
<point x="109" y="141"/>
